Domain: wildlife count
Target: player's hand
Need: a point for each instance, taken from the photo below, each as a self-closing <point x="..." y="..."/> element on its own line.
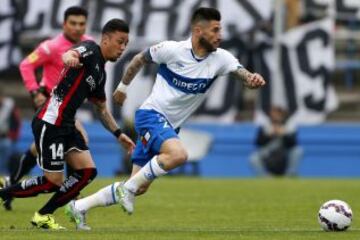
<point x="254" y="80"/>
<point x="71" y="59"/>
<point x="119" y="97"/>
<point x="127" y="143"/>
<point x="39" y="99"/>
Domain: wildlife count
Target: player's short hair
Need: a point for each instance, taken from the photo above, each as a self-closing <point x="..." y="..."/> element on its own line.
<point x="205" y="14"/>
<point x="75" y="10"/>
<point x="114" y="25"/>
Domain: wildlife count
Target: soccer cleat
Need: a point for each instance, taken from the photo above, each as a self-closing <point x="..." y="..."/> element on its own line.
<point x="6" y="202"/>
<point x="1" y="187"/>
<point x="46" y="221"/>
<point x="76" y="216"/>
<point x="126" y="198"/>
<point x="4" y="183"/>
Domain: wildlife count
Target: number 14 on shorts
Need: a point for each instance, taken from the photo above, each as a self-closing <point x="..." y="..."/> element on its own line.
<point x="57" y="150"/>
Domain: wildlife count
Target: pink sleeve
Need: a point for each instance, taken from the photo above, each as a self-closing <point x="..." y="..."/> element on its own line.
<point x="87" y="37"/>
<point x="37" y="58"/>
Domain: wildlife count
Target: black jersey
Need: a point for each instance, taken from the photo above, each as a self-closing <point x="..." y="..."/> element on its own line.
<point x="76" y="85"/>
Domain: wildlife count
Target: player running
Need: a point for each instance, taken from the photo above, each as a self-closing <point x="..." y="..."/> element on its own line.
<point x="48" y="57"/>
<point x="186" y="71"/>
<point x="57" y="140"/>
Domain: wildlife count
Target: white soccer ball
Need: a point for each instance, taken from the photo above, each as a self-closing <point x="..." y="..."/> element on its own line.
<point x="335" y="215"/>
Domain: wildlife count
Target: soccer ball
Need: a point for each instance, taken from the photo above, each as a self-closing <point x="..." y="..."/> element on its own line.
<point x="335" y="215"/>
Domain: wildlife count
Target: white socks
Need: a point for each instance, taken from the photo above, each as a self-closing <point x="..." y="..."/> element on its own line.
<point x="103" y="197"/>
<point x="147" y="173"/>
<point x="106" y="196"/>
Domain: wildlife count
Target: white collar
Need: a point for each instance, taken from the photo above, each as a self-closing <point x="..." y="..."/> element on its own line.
<point x="188" y="43"/>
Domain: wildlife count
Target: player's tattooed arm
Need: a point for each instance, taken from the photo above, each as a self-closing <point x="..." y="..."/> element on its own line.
<point x="105" y="116"/>
<point x="242" y="74"/>
<point x="250" y="80"/>
<point x="133" y="68"/>
<point x="110" y="124"/>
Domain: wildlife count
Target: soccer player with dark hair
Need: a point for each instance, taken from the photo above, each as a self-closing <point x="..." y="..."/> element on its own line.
<point x="48" y="57"/>
<point x="186" y="71"/>
<point x="56" y="137"/>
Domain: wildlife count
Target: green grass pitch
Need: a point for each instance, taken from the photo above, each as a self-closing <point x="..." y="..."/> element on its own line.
<point x="194" y="208"/>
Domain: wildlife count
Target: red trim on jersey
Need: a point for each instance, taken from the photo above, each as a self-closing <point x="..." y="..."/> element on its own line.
<point x="143" y="140"/>
<point x="68" y="97"/>
<point x="45" y="107"/>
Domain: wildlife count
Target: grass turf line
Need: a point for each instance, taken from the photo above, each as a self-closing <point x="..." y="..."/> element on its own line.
<point x="195" y="208"/>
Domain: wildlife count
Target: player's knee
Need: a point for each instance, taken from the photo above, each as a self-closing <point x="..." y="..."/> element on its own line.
<point x="179" y="156"/>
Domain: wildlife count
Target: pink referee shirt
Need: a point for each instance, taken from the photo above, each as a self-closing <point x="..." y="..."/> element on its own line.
<point x="46" y="55"/>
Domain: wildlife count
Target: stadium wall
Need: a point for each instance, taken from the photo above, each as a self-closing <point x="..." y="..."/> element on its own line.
<point x="330" y="150"/>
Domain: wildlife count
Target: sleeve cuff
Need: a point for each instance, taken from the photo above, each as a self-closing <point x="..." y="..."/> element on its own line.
<point x="147" y="55"/>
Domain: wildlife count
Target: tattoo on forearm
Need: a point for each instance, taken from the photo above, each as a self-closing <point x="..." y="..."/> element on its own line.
<point x="133" y="68"/>
<point x="106" y="119"/>
<point x="242" y="74"/>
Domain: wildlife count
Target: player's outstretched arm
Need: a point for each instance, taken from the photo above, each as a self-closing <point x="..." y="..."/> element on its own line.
<point x="110" y="124"/>
<point x="133" y="68"/>
<point x="250" y="80"/>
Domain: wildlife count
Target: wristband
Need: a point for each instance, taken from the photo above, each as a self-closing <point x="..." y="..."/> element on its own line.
<point x="117" y="133"/>
<point x="42" y="89"/>
<point x="34" y="92"/>
<point x="122" y="87"/>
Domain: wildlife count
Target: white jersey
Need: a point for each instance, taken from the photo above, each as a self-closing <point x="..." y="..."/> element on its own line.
<point x="183" y="79"/>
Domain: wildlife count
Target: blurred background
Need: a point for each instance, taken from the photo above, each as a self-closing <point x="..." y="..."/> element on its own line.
<point x="303" y="123"/>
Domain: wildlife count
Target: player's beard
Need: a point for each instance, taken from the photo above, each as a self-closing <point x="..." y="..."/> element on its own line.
<point x="206" y="44"/>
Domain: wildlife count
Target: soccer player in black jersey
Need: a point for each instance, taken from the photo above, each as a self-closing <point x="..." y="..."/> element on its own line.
<point x="57" y="140"/>
<point x="46" y="56"/>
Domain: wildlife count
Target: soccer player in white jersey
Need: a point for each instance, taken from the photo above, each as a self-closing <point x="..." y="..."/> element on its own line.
<point x="186" y="72"/>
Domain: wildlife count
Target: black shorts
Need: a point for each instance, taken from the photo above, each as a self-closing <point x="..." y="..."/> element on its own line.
<point x="52" y="143"/>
